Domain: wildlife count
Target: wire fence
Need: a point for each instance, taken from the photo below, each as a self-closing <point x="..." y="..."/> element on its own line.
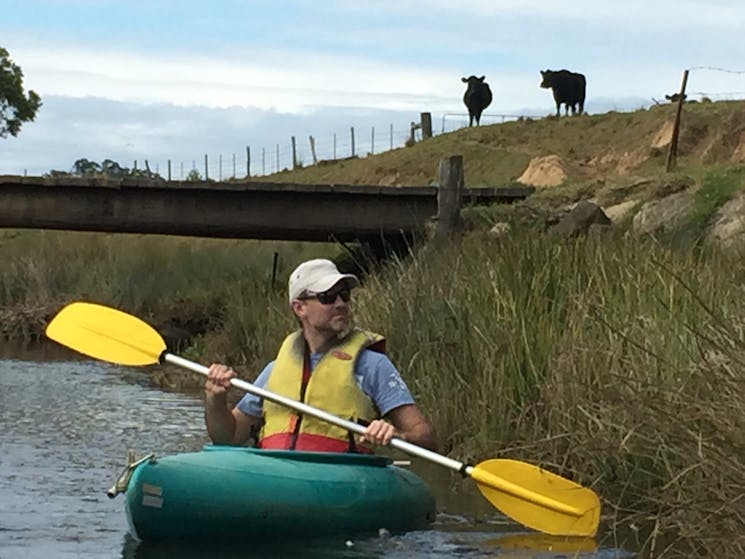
<point x="297" y="152"/>
<point x="720" y="95"/>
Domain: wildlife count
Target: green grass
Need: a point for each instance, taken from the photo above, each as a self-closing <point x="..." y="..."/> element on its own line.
<point x="717" y="187"/>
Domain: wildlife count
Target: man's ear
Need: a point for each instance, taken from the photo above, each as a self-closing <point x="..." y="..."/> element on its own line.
<point x="298" y="308"/>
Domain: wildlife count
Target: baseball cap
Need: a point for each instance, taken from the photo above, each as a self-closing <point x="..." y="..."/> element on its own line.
<point x="316" y="276"/>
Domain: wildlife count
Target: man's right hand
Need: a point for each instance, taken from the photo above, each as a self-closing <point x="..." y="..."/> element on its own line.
<point x="218" y="380"/>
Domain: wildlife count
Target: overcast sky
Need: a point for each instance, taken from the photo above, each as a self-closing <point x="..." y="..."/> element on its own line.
<point x="178" y="79"/>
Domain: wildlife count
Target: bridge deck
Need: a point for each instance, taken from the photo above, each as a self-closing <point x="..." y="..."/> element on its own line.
<point x="258" y="210"/>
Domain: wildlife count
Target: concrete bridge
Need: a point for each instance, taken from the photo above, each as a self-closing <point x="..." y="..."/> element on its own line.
<point x="256" y="210"/>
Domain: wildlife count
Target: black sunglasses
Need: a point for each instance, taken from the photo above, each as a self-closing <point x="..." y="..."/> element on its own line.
<point x="329" y="297"/>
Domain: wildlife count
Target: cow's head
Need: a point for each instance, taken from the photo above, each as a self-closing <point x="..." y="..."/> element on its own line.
<point x="473" y="81"/>
<point x="547" y="79"/>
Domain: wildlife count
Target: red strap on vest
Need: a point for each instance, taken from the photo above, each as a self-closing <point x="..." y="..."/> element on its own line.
<point x="298" y="419"/>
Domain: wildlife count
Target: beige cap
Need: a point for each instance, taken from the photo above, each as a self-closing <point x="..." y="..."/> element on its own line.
<point x="316" y="276"/>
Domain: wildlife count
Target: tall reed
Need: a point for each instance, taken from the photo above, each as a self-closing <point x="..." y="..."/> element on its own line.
<point x="613" y="361"/>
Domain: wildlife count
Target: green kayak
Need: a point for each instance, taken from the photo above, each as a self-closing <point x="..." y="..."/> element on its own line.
<point x="268" y="494"/>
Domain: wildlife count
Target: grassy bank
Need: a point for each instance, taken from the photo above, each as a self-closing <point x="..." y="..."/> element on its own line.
<point x="614" y="362"/>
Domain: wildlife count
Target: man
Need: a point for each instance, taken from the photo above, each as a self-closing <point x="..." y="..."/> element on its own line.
<point x="326" y="364"/>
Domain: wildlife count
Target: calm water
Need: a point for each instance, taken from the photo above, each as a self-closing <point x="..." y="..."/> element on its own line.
<point x="66" y="427"/>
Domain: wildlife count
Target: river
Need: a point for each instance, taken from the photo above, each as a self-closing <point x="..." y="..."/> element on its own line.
<point x="66" y="428"/>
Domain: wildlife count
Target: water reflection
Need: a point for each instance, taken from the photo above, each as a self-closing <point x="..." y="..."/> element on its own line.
<point x="437" y="543"/>
<point x="66" y="428"/>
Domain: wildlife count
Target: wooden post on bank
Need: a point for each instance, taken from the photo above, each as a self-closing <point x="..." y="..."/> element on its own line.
<point x="449" y="199"/>
<point x="426" y="122"/>
<point x="672" y="153"/>
<point x="312" y="141"/>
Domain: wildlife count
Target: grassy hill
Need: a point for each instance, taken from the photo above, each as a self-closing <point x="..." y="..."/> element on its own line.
<point x="595" y="150"/>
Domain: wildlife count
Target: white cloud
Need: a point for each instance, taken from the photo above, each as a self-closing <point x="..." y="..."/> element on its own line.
<point x="286" y="81"/>
<point x="632" y="13"/>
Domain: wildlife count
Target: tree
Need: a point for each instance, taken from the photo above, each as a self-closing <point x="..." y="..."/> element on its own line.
<point x="15" y="107"/>
<point x="193" y="176"/>
<point x="84" y="167"/>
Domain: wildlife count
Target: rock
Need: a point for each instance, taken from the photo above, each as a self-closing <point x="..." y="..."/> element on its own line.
<point x="617" y="212"/>
<point x="662" y="215"/>
<point x="579" y="220"/>
<point x="728" y="228"/>
<point x="664" y="135"/>
<point x="544" y="171"/>
<point x="738" y="155"/>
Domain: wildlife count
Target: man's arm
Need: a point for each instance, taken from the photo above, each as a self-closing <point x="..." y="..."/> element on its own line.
<point x="229" y="427"/>
<point x="406" y="422"/>
<point x="225" y="426"/>
<point x="412" y="426"/>
<point x="382" y="382"/>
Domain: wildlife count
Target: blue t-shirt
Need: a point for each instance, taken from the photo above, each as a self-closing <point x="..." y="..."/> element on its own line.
<point x="375" y="374"/>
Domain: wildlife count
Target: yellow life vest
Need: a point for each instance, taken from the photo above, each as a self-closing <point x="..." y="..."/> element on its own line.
<point x="331" y="387"/>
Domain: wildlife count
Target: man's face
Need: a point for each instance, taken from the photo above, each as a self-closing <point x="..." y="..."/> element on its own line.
<point x="326" y="312"/>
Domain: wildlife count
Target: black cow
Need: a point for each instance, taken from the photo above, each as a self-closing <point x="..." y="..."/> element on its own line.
<point x="477" y="97"/>
<point x="568" y="88"/>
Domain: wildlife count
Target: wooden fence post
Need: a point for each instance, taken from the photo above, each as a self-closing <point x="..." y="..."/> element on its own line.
<point x="672" y="152"/>
<point x="313" y="149"/>
<point x="352" y="132"/>
<point x="206" y="168"/>
<point x="449" y="199"/>
<point x="248" y="161"/>
<point x="294" y="153"/>
<point x="426" y="122"/>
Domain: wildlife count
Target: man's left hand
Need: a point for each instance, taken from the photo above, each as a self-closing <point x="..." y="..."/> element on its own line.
<point x="379" y="432"/>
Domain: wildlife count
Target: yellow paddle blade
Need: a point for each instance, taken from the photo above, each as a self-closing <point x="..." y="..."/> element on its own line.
<point x="538" y="498"/>
<point x="106" y="334"/>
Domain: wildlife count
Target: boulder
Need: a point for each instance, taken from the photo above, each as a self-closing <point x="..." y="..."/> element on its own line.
<point x="617" y="212"/>
<point x="728" y="227"/>
<point x="579" y="219"/>
<point x="662" y="215"/>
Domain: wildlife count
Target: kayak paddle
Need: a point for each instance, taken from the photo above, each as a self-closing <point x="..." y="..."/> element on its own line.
<point x="530" y="495"/>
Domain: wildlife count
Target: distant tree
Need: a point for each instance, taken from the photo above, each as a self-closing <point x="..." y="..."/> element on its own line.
<point x="107" y="168"/>
<point x="15" y="107"/>
<point x="194" y="176"/>
<point x="85" y="167"/>
<point x="113" y="169"/>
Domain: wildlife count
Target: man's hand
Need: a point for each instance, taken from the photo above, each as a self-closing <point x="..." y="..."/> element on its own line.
<point x="379" y="432"/>
<point x="218" y="380"/>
